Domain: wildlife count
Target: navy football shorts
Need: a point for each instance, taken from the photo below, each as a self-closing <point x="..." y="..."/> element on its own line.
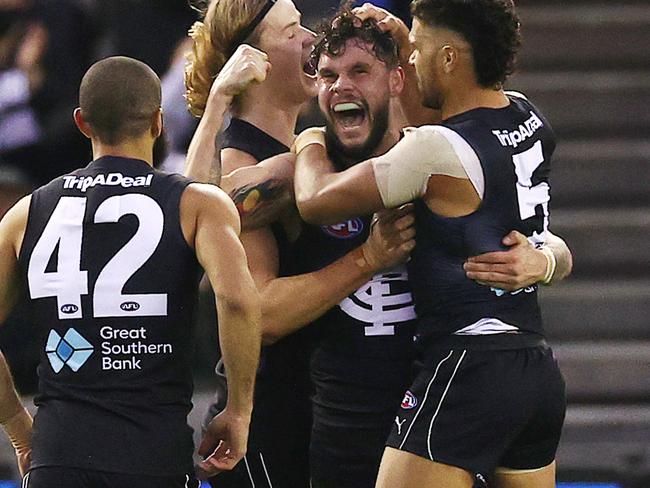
<point x="346" y="449"/>
<point x="483" y="409"/>
<point x="63" y="477"/>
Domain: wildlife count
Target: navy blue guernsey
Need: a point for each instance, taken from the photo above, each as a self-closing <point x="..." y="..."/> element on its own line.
<point x="514" y="146"/>
<point x="290" y="355"/>
<point x="282" y="388"/>
<point x="113" y="285"/>
<point x="364" y="346"/>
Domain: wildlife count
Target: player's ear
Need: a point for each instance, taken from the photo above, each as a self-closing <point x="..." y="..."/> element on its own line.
<point x="157" y="123"/>
<point x="396" y="81"/>
<point x="81" y="123"/>
<point x="448" y="58"/>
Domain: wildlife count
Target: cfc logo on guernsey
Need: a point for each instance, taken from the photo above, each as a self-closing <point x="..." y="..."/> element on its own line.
<point x="71" y="350"/>
<point x="382" y="302"/>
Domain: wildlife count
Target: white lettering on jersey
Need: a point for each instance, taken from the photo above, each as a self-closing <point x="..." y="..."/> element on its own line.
<point x="111" y="179"/>
<point x="64" y="231"/>
<point x="376" y="303"/>
<point x="525" y="130"/>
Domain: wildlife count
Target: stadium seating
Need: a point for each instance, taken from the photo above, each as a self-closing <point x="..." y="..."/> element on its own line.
<point x="586" y="65"/>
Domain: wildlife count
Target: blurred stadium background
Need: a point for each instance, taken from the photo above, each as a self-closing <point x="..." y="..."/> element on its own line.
<point x="585" y="63"/>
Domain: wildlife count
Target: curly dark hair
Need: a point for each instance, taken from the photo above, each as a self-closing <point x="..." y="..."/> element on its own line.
<point x="490" y="26"/>
<point x="334" y="33"/>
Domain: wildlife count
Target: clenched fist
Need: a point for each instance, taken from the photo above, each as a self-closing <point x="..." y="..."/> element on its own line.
<point x="245" y="67"/>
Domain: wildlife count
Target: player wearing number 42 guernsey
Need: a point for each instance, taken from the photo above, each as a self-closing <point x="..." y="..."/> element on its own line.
<point x="489" y="399"/>
<point x="109" y="257"/>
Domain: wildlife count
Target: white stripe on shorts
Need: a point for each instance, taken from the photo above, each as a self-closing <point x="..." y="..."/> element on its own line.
<point x="265" y="471"/>
<point x="250" y="476"/>
<point x="415" y="417"/>
<point x="433" y="419"/>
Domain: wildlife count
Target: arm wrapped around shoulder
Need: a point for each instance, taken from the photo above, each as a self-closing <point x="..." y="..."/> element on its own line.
<point x="403" y="172"/>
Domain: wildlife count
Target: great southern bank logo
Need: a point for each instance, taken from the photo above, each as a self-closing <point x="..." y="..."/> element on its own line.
<point x="71" y="350"/>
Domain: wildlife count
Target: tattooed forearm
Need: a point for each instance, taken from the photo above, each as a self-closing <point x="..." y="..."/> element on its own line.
<point x="216" y="168"/>
<point x="260" y="203"/>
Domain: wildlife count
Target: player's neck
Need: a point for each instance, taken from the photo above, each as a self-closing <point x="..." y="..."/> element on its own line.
<point x="136" y="149"/>
<point x="463" y="100"/>
<point x="272" y="114"/>
<point x="396" y="122"/>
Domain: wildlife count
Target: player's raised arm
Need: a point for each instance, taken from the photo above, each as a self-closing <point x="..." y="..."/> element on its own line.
<point x="410" y="98"/>
<point x="246" y="66"/>
<point x="15" y="419"/>
<point x="220" y="253"/>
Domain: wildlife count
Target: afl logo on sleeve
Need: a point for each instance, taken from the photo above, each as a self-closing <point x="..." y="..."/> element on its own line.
<point x="344" y="230"/>
<point x="409" y="401"/>
<point x="382" y="303"/>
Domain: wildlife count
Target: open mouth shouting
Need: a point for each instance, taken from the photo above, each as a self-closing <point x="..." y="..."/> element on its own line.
<point x="309" y="68"/>
<point x="349" y="117"/>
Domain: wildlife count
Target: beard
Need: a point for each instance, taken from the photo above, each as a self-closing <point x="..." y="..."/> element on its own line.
<point x="346" y="156"/>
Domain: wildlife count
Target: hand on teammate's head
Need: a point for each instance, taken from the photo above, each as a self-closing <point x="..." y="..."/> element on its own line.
<point x="386" y="21"/>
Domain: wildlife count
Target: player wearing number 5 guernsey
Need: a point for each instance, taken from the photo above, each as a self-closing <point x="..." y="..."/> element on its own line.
<point x="488" y="401"/>
<point x="110" y="256"/>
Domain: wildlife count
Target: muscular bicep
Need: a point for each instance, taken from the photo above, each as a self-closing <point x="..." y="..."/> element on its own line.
<point x="220" y="251"/>
<point x="232" y="159"/>
<point x="12" y="230"/>
<point x="262" y="250"/>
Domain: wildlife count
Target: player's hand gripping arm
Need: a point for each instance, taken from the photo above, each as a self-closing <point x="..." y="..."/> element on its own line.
<point x="522" y="264"/>
<point x="15" y="419"/>
<point x="410" y="98"/>
<point x="220" y="252"/>
<point x="245" y="67"/>
<point x="289" y="303"/>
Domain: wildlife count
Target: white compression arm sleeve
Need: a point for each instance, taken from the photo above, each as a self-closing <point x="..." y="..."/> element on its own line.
<point x="403" y="172"/>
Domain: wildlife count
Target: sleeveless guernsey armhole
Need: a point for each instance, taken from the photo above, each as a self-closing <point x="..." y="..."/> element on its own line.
<point x="246" y="137"/>
<point x="180" y="185"/>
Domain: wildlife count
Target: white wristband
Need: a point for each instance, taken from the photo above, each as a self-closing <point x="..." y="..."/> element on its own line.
<point x="551" y="264"/>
